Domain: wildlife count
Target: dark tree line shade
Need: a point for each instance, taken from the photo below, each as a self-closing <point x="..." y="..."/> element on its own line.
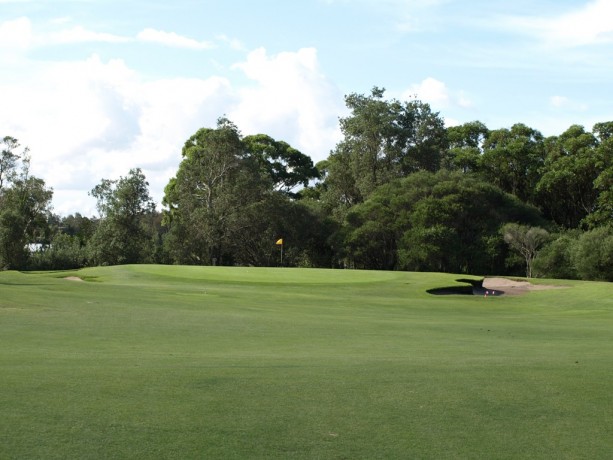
<point x="400" y="191"/>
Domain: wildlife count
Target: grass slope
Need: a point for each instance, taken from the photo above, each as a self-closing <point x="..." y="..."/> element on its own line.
<point x="203" y="362"/>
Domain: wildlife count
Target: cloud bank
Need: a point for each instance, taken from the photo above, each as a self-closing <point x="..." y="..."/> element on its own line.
<point x="96" y="118"/>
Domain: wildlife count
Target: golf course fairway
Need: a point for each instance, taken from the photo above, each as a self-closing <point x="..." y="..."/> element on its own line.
<point x="161" y="362"/>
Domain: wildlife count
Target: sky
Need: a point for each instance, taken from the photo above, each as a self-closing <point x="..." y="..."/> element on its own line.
<point x="97" y="87"/>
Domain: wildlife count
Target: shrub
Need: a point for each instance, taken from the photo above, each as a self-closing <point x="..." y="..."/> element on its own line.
<point x="593" y="255"/>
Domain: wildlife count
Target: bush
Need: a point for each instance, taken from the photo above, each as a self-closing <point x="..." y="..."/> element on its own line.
<point x="554" y="260"/>
<point x="64" y="253"/>
<point x="593" y="255"/>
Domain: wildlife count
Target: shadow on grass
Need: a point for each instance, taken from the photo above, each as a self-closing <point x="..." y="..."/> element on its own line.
<point x="475" y="287"/>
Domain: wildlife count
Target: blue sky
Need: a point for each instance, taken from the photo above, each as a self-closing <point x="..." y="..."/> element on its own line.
<point x="95" y="88"/>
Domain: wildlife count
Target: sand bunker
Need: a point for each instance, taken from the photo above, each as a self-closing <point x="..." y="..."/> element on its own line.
<point x="515" y="287"/>
<point x="491" y="287"/>
<point x="73" y="278"/>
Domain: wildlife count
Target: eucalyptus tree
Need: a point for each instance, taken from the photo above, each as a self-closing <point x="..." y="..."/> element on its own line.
<point x="566" y="190"/>
<point x="466" y="143"/>
<point x="382" y="140"/>
<point x="216" y="179"/>
<point x="512" y="160"/>
<point x="287" y="167"/>
<point x="25" y="203"/>
<point x="234" y="196"/>
<point x="123" y="234"/>
<point x="603" y="214"/>
<point x="447" y="221"/>
<point x="9" y="160"/>
<point x="526" y="240"/>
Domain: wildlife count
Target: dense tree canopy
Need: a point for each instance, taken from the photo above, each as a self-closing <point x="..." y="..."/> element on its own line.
<point x="215" y="179"/>
<point x="512" y="159"/>
<point x="286" y="167"/>
<point x="383" y="140"/>
<point x="124" y="233"/>
<point x="400" y="191"/>
<point x="435" y="222"/>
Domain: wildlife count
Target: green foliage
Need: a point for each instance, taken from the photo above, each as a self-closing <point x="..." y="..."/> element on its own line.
<point x="216" y="180"/>
<point x="526" y="241"/>
<point x="370" y="238"/>
<point x="286" y="167"/>
<point x="434" y="222"/>
<point x="593" y="254"/>
<point x="24" y="207"/>
<point x="603" y="214"/>
<point x="124" y="233"/>
<point x="9" y="161"/>
<point x="259" y="225"/>
<point x="64" y="252"/>
<point x="383" y="140"/>
<point x="390" y="196"/>
<point x="554" y="259"/>
<point x="78" y="226"/>
<point x="512" y="159"/>
<point x="465" y="146"/>
<point x="231" y="200"/>
<point x="566" y="189"/>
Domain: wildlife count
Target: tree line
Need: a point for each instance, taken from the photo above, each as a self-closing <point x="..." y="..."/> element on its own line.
<point x="400" y="191"/>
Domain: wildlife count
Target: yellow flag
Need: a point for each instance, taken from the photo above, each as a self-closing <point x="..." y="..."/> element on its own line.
<point x="279" y="241"/>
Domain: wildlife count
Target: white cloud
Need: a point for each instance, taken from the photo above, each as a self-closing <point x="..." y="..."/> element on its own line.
<point x="79" y="34"/>
<point x="172" y="39"/>
<point x="558" y="101"/>
<point x="234" y="43"/>
<point x="88" y="120"/>
<point x="564" y="103"/>
<point x="16" y="34"/>
<point x="291" y="100"/>
<point x="93" y="119"/>
<point x="586" y="26"/>
<point x="451" y="122"/>
<point x="60" y="20"/>
<point x="436" y="93"/>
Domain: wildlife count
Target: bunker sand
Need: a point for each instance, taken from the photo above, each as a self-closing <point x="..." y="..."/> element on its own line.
<point x="516" y="287"/>
<point x="73" y="278"/>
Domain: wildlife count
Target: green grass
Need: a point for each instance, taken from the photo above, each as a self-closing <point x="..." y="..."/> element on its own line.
<point x="202" y="362"/>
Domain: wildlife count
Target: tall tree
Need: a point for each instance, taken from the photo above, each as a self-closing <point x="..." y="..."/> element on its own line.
<point x="436" y="222"/>
<point x="215" y="180"/>
<point x="566" y="191"/>
<point x="9" y="160"/>
<point x="382" y="140"/>
<point x="603" y="184"/>
<point x="25" y="203"/>
<point x="512" y="160"/>
<point x="465" y="146"/>
<point x="286" y="167"/>
<point x="260" y="224"/>
<point x="123" y="234"/>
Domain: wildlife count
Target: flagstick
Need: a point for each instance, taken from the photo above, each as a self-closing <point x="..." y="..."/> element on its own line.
<point x="280" y="243"/>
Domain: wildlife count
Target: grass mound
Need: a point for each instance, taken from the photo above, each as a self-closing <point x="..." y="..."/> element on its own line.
<point x="216" y="362"/>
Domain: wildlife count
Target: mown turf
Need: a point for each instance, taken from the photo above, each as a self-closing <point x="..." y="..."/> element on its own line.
<point x="202" y="362"/>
